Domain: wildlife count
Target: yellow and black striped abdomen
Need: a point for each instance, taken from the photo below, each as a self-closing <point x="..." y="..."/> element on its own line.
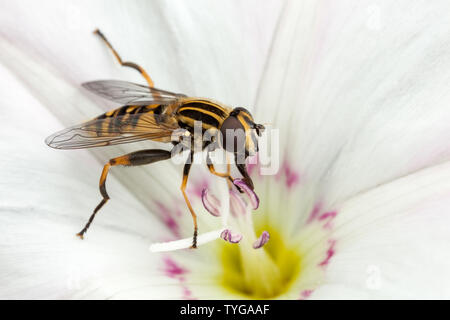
<point x="209" y="113"/>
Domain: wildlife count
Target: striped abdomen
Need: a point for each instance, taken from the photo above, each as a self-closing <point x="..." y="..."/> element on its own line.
<point x="209" y="113"/>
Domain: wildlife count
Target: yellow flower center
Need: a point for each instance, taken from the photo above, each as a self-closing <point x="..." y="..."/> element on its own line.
<point x="259" y="273"/>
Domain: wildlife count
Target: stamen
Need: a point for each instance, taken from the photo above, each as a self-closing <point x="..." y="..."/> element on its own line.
<point x="262" y="240"/>
<point x="254" y="200"/>
<point x="227" y="235"/>
<point x="215" y="207"/>
<point x="211" y="203"/>
<point x="186" y="243"/>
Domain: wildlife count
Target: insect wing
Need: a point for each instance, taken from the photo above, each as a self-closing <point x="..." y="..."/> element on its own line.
<point x="114" y="130"/>
<point x="130" y="93"/>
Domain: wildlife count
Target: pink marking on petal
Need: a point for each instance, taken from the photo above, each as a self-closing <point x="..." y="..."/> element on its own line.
<point x="163" y="210"/>
<point x="291" y="175"/>
<point x="187" y="294"/>
<point x="167" y="217"/>
<point x="330" y="253"/>
<point x="305" y="294"/>
<point x="172" y="225"/>
<point x="172" y="269"/>
<point x="314" y="213"/>
<point x="328" y="216"/>
<point x="328" y="225"/>
<point x="199" y="186"/>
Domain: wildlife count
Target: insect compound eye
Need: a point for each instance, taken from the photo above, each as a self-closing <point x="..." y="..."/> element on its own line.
<point x="233" y="135"/>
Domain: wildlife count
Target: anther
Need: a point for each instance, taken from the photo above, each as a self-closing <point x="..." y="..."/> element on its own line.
<point x="227" y="235"/>
<point x="211" y="203"/>
<point x="262" y="240"/>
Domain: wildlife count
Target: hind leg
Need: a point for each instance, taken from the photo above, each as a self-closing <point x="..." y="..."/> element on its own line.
<point x="132" y="159"/>
<point x="126" y="64"/>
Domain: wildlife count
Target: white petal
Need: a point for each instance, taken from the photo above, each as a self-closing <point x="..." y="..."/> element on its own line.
<point x="47" y="197"/>
<point x="215" y="49"/>
<point x="361" y="91"/>
<point x="362" y="95"/>
<point x="393" y="241"/>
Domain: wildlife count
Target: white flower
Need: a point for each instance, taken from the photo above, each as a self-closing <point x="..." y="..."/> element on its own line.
<point x="359" y="208"/>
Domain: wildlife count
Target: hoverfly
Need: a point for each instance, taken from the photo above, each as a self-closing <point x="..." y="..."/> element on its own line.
<point x="154" y="114"/>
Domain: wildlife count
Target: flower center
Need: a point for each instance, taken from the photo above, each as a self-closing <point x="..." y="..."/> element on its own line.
<point x="264" y="258"/>
<point x="262" y="273"/>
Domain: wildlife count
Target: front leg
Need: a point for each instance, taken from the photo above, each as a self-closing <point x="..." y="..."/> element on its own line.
<point x="227" y="175"/>
<point x="211" y="168"/>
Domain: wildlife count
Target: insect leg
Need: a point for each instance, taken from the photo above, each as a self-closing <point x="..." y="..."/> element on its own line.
<point x="211" y="168"/>
<point x="132" y="159"/>
<point x="126" y="64"/>
<point x="187" y="168"/>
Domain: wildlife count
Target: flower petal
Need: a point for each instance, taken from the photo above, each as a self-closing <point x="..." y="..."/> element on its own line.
<point x="185" y="47"/>
<point x="393" y="241"/>
<point x="361" y="98"/>
<point x="46" y="198"/>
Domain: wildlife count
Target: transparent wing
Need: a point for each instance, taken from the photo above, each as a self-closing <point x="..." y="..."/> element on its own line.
<point x="114" y="130"/>
<point x="130" y="93"/>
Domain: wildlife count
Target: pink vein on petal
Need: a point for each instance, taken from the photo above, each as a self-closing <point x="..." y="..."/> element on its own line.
<point x="314" y="213"/>
<point x="199" y="186"/>
<point x="172" y="225"/>
<point x="326" y="215"/>
<point x="305" y="294"/>
<point x="167" y="217"/>
<point x="330" y="253"/>
<point x="187" y="294"/>
<point x="291" y="175"/>
<point x="173" y="269"/>
<point x="329" y="217"/>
